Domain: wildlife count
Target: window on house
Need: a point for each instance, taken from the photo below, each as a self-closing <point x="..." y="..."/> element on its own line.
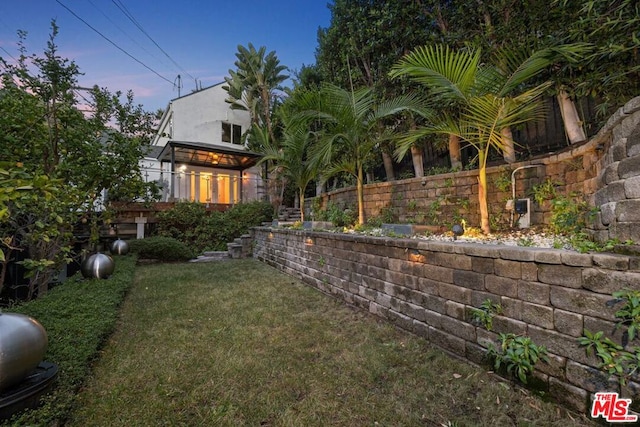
<point x="231" y="133"/>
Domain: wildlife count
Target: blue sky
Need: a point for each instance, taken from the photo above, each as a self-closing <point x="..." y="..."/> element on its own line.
<point x="201" y="37"/>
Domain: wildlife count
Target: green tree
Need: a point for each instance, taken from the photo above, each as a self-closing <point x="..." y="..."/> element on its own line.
<point x="51" y="141"/>
<point x="291" y="158"/>
<point x="350" y="133"/>
<point x="254" y="85"/>
<point x="364" y="39"/>
<point x="488" y="98"/>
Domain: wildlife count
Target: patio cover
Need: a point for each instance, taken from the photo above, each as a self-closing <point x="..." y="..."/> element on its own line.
<point x="207" y="155"/>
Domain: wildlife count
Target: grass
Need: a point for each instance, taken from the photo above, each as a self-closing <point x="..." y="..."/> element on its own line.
<point x="237" y="343"/>
<point x="78" y="317"/>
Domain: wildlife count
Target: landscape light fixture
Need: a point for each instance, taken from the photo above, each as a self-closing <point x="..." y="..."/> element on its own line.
<point x="457" y="230"/>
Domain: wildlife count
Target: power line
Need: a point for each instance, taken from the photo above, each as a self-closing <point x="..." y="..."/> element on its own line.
<point x="124" y="32"/>
<point x="115" y="45"/>
<point x="129" y="15"/>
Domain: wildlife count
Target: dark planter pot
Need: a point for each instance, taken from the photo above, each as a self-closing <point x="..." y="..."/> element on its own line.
<point x="23" y="342"/>
<point x="97" y="266"/>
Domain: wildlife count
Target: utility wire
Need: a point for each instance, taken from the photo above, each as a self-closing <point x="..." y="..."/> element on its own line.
<point x="115" y="45"/>
<point x="129" y="15"/>
<point x="125" y="33"/>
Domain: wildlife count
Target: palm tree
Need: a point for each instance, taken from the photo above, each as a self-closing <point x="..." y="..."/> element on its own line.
<point x="252" y="87"/>
<point x="291" y="160"/>
<point x="349" y="138"/>
<point x="489" y="99"/>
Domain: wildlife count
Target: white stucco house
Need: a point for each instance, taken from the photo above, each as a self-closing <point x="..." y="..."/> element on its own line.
<point x="198" y="153"/>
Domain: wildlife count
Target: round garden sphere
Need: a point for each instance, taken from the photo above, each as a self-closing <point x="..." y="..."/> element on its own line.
<point x="23" y="342"/>
<point x="98" y="266"/>
<point x="457" y="230"/>
<point x="119" y="247"/>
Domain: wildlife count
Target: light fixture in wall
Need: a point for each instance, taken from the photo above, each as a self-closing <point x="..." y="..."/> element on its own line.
<point x="416" y="256"/>
<point x="215" y="158"/>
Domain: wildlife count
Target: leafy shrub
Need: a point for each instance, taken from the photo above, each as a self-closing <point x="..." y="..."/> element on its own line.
<point x="622" y="361"/>
<point x="518" y="355"/>
<point x="181" y="221"/>
<point x="161" y="248"/>
<point x="191" y="224"/>
<point x="338" y="216"/>
<point x="78" y="316"/>
<point x="568" y="216"/>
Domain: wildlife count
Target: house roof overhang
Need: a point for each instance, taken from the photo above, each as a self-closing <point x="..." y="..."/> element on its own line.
<point x="208" y="155"/>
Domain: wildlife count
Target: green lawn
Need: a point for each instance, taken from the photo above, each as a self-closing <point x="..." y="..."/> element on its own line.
<point x="237" y="343"/>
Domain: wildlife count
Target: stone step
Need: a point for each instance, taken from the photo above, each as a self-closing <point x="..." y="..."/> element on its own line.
<point x="210" y="256"/>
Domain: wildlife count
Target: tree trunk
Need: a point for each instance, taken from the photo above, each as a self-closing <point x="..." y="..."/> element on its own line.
<point x="320" y="186"/>
<point x="370" y="177"/>
<point x="360" y="192"/>
<point x="454" y="152"/>
<point x="418" y="161"/>
<point x="482" y="193"/>
<point x="570" y="118"/>
<point x="387" y="160"/>
<point x="509" y="151"/>
<point x="301" y="198"/>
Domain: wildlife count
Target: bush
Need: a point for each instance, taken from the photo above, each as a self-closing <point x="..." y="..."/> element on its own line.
<point x="78" y="316"/>
<point x="181" y="221"/>
<point x="191" y="224"/>
<point x="161" y="248"/>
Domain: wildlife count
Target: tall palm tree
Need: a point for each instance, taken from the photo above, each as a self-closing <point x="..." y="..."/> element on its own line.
<point x="489" y="99"/>
<point x="349" y="136"/>
<point x="253" y="86"/>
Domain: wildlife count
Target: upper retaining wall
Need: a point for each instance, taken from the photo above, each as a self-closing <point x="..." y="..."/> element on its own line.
<point x="605" y="171"/>
<point x="618" y="195"/>
<point x="429" y="288"/>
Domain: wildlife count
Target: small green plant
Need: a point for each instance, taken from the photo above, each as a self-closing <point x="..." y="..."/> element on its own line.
<point x="322" y="261"/>
<point x="412" y="205"/>
<point x="484" y="314"/>
<point x="568" y="215"/>
<point x="433" y="211"/>
<point x="629" y="313"/>
<point x="375" y="221"/>
<point x="544" y="191"/>
<point x="387" y="215"/>
<point x="617" y="359"/>
<point x="518" y="355"/>
<point x="340" y="217"/>
<point x="502" y="182"/>
<point x="525" y="242"/>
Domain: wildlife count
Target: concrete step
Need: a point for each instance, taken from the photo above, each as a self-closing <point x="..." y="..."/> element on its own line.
<point x="210" y="256"/>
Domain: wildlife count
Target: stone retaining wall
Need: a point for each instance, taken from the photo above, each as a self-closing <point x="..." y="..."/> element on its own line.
<point x="605" y="171"/>
<point x="430" y="287"/>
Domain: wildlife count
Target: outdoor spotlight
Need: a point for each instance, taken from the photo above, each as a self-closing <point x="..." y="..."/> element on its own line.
<point x="457" y="231"/>
<point x="423" y="182"/>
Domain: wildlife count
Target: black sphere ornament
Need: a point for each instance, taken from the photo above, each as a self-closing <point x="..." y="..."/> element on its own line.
<point x="457" y="231"/>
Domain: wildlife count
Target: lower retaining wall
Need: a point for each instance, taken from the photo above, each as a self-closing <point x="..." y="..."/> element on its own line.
<point x="430" y="287"/>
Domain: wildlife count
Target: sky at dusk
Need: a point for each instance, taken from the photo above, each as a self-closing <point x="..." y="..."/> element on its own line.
<point x="194" y="39"/>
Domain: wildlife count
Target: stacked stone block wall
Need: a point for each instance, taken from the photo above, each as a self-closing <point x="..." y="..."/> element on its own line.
<point x="605" y="172"/>
<point x="618" y="195"/>
<point x="430" y="287"/>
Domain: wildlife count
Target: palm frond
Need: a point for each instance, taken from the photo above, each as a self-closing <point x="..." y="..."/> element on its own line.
<point x="449" y="74"/>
